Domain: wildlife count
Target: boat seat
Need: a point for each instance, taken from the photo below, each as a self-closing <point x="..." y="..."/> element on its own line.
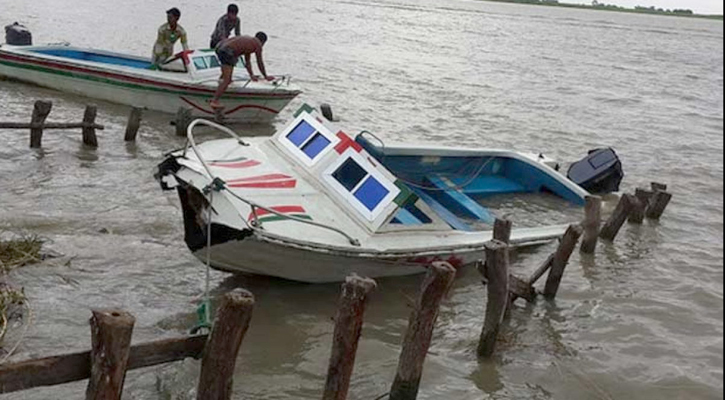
<point x="460" y="200"/>
<point x="406" y="217"/>
<point x="443" y="212"/>
<point x="486" y="185"/>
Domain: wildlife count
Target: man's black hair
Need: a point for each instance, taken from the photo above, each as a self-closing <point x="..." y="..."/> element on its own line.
<point x="262" y="37"/>
<point x="232" y="8"/>
<point x="174" y="11"/>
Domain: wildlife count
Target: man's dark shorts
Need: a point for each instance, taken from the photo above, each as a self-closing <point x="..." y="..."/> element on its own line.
<point x="226" y="56"/>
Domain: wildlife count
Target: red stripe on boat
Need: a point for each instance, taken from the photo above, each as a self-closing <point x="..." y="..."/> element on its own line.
<point x="279" y="209"/>
<point x="235" y="109"/>
<point x="267" y="177"/>
<point x="346" y="142"/>
<point x="243" y="164"/>
<point x="265" y="185"/>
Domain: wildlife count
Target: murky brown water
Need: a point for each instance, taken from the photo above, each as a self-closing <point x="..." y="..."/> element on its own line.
<point x="643" y="319"/>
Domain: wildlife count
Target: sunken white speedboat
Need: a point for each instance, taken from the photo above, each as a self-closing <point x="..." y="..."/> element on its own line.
<point x="313" y="204"/>
<point x="188" y="79"/>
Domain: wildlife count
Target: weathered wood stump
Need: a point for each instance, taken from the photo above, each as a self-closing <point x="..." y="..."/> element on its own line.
<point x="89" y="129"/>
<point x="420" y="331"/>
<point x="616" y="220"/>
<point x="348" y="327"/>
<point x="497" y="265"/>
<point x="41" y="109"/>
<point x="220" y="355"/>
<point x="133" y="125"/>
<point x="561" y="259"/>
<point x="183" y="119"/>
<point x="642" y="196"/>
<point x="111" y="332"/>
<point x="502" y="230"/>
<point x="657" y="205"/>
<point x="592" y="222"/>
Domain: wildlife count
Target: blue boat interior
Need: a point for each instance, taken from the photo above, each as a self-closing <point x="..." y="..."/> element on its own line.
<point x="96" y="57"/>
<point x="453" y="186"/>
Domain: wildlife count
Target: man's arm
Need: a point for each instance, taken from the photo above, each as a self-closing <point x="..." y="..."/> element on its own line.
<point x="260" y="64"/>
<point x="184" y="42"/>
<point x="248" y="64"/>
<point x="238" y="28"/>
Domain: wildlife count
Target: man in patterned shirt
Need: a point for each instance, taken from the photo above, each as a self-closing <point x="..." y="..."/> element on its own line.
<point x="168" y="34"/>
<point x="225" y="25"/>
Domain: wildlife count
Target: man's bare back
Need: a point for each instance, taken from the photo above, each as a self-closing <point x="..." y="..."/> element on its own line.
<point x="243" y="45"/>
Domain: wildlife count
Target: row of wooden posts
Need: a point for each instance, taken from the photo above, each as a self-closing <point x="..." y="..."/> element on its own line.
<point x="88" y="126"/>
<point x="111" y="354"/>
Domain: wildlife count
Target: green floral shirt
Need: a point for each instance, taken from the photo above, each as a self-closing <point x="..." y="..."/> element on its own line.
<point x="164" y="47"/>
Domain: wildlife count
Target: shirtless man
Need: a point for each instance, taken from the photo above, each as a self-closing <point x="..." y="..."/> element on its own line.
<point x="229" y="52"/>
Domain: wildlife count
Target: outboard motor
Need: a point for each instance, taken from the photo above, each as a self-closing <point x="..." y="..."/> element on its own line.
<point x="18" y="35"/>
<point x="599" y="173"/>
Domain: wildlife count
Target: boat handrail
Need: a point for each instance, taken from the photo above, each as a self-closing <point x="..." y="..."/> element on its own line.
<point x="217" y="184"/>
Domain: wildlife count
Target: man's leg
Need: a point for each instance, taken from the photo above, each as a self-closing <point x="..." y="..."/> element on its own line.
<point x="226" y="79"/>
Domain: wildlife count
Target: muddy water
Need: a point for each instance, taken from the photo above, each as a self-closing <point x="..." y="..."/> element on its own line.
<point x="643" y="319"/>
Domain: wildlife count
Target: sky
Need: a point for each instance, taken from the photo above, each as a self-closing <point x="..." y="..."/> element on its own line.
<point x="698" y="6"/>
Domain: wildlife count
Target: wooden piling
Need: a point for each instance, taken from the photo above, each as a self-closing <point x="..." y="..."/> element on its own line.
<point x="592" y="222"/>
<point x="502" y="230"/>
<point x="220" y="355"/>
<point x="420" y="331"/>
<point x="642" y="197"/>
<point x="111" y="343"/>
<point x="497" y="265"/>
<point x="657" y="205"/>
<point x="41" y="109"/>
<point x="89" y="130"/>
<point x="616" y="220"/>
<point x="348" y="327"/>
<point x="183" y="119"/>
<point x="561" y="259"/>
<point x="134" y="123"/>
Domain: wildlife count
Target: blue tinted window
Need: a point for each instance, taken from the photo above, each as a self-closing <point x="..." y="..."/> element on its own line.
<point x="371" y="193"/>
<point x="212" y="61"/>
<point x="301" y="133"/>
<point x="199" y="63"/>
<point x="315" y="146"/>
<point x="350" y="174"/>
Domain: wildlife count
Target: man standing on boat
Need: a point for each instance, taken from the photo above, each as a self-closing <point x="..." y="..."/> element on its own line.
<point x="229" y="52"/>
<point x="224" y="26"/>
<point x="168" y="34"/>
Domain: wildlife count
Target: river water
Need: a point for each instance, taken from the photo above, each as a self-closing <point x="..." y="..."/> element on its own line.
<point x="643" y="319"/>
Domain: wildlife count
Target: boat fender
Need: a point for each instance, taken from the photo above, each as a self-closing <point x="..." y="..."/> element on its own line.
<point x="18" y="35"/>
<point x="327" y="111"/>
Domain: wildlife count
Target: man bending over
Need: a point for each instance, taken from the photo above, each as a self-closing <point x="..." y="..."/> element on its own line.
<point x="229" y="52"/>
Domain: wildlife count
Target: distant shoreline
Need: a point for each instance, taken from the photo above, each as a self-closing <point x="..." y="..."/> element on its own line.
<point x="613" y="8"/>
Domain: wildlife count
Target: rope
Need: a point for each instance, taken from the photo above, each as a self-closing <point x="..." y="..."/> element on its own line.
<point x="434" y="189"/>
<point x="381" y="397"/>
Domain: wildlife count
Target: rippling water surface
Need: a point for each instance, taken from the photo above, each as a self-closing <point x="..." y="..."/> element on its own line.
<point x="643" y="319"/>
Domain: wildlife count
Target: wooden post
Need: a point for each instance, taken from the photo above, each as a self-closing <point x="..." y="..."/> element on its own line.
<point x="497" y="265"/>
<point x="41" y="109"/>
<point x="656" y="186"/>
<point x="220" y="355"/>
<point x="561" y="259"/>
<point x="134" y="123"/>
<point x="348" y="327"/>
<point x="111" y="343"/>
<point x="642" y="197"/>
<point x="657" y="206"/>
<point x="592" y="222"/>
<point x="420" y="331"/>
<point x="89" y="130"/>
<point x="502" y="230"/>
<point x="183" y="119"/>
<point x="616" y="220"/>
